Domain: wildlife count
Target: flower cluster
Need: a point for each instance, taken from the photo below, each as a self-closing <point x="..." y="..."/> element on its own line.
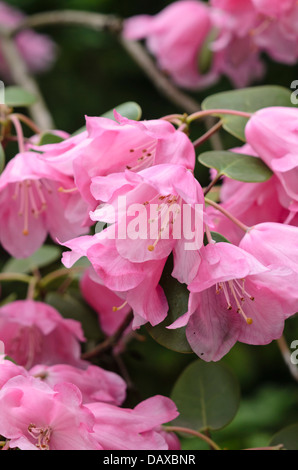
<point x="125" y="195"/>
<point x="196" y="43"/>
<point x="52" y="400"/>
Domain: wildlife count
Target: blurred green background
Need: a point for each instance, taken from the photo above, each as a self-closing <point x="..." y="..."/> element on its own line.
<point x="93" y="74"/>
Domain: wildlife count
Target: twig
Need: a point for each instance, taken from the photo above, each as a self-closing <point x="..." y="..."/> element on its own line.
<point x="111" y="341"/>
<point x="198" y="434"/>
<point x="22" y="77"/>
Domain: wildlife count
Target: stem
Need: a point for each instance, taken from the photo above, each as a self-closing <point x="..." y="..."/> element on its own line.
<point x="213" y="183"/>
<point x="208" y="134"/>
<point x="286" y="354"/>
<point x="10" y="277"/>
<point x="111" y="341"/>
<point x="201" y="436"/>
<point x="21" y="76"/>
<point x="28" y="121"/>
<point x="243" y="227"/>
<point x="59" y="273"/>
<point x="19" y="131"/>
<point x="211" y="112"/>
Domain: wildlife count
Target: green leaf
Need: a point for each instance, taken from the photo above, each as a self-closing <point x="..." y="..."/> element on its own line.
<point x="207" y="395"/>
<point x="18" y="97"/>
<point x="2" y="158"/>
<point x="49" y="138"/>
<point x="130" y="110"/>
<point x="288" y="437"/>
<point x="71" y="306"/>
<point x="237" y="166"/>
<point x="177" y="295"/>
<point x="217" y="237"/>
<point x="46" y="255"/>
<point x="248" y="100"/>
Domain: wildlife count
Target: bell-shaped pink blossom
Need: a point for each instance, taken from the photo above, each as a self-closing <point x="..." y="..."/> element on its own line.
<point x="139" y="428"/>
<point x="95" y="383"/>
<point x="272" y="133"/>
<point x="38" y="50"/>
<point x="109" y="146"/>
<point x="176" y="37"/>
<point x="36" y="200"/>
<point x="35" y="333"/>
<point x="152" y="213"/>
<point x="36" y="417"/>
<point x="274" y="245"/>
<point x="235" y="297"/>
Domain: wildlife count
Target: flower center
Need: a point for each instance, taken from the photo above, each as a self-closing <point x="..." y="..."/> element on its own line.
<point x="234" y="291"/>
<point x="31" y="197"/>
<point x="144" y="156"/>
<point x="42" y="435"/>
<point x="164" y="215"/>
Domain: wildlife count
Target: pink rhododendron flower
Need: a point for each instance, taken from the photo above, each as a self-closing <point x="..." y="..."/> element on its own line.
<point x="36" y="417"/>
<point x="235" y="297"/>
<point x="33" y="206"/>
<point x="9" y="369"/>
<point x="176" y="37"/>
<point x="272" y="133"/>
<point x="95" y="383"/>
<point x="110" y="146"/>
<point x="135" y="429"/>
<point x="38" y="50"/>
<point x="129" y="256"/>
<point x="35" y="333"/>
<point x="273" y="244"/>
<point x="102" y="300"/>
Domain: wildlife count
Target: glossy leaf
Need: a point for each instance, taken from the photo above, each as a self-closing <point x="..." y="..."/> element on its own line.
<point x="18" y="97"/>
<point x="288" y="437"/>
<point x="207" y="395"/>
<point x="237" y="166"/>
<point x="177" y="295"/>
<point x="46" y="255"/>
<point x="49" y="138"/>
<point x="248" y="100"/>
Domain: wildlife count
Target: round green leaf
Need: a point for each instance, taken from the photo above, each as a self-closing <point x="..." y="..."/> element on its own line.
<point x="130" y="110"/>
<point x="177" y="295"/>
<point x="2" y="158"/>
<point x="18" y="97"/>
<point x="248" y="100"/>
<point x="237" y="166"/>
<point x="207" y="396"/>
<point x="288" y="437"/>
<point x="49" y="138"/>
<point x="46" y="255"/>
